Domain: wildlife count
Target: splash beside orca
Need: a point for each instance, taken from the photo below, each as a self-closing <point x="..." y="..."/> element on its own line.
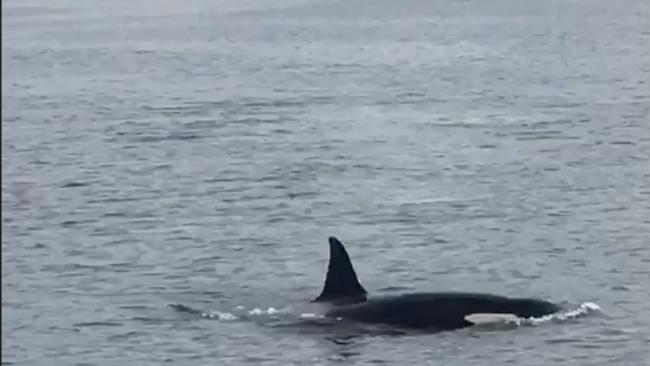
<point x="437" y="311"/>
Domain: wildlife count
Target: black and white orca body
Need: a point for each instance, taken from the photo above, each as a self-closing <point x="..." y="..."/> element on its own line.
<point x="439" y="311"/>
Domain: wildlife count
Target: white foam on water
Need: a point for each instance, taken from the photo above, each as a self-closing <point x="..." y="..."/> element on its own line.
<point x="240" y="312"/>
<point x="213" y="314"/>
<point x="269" y="311"/>
<point x="581" y="310"/>
<point x="256" y="311"/>
<point x="312" y="316"/>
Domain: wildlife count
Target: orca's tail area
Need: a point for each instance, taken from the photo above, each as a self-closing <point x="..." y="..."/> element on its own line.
<point x="341" y="283"/>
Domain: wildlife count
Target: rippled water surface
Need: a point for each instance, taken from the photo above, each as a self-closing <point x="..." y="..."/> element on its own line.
<point x="199" y="153"/>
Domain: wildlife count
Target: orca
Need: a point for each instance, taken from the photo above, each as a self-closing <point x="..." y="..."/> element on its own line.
<point x="347" y="299"/>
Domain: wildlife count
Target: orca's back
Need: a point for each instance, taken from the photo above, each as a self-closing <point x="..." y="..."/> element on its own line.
<point x="440" y="310"/>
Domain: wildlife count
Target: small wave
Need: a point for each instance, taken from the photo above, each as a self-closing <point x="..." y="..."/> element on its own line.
<point x="184" y="309"/>
<point x="74" y="184"/>
<point x="98" y="324"/>
<point x="312" y="316"/>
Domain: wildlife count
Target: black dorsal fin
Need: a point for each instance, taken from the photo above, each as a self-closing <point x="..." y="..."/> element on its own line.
<point x="341" y="283"/>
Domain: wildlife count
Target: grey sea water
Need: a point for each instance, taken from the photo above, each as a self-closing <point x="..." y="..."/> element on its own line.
<point x="198" y="154"/>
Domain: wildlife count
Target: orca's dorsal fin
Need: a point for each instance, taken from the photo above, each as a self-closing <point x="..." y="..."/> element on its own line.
<point x="341" y="283"/>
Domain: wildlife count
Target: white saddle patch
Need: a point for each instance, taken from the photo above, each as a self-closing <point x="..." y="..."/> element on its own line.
<point x="491" y="318"/>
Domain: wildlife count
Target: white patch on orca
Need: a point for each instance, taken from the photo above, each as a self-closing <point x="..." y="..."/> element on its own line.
<point x="492" y="318"/>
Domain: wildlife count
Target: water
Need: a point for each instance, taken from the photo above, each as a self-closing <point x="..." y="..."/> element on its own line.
<point x="198" y="154"/>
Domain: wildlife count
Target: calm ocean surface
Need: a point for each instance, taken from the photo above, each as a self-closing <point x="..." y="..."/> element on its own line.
<point x="171" y="171"/>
